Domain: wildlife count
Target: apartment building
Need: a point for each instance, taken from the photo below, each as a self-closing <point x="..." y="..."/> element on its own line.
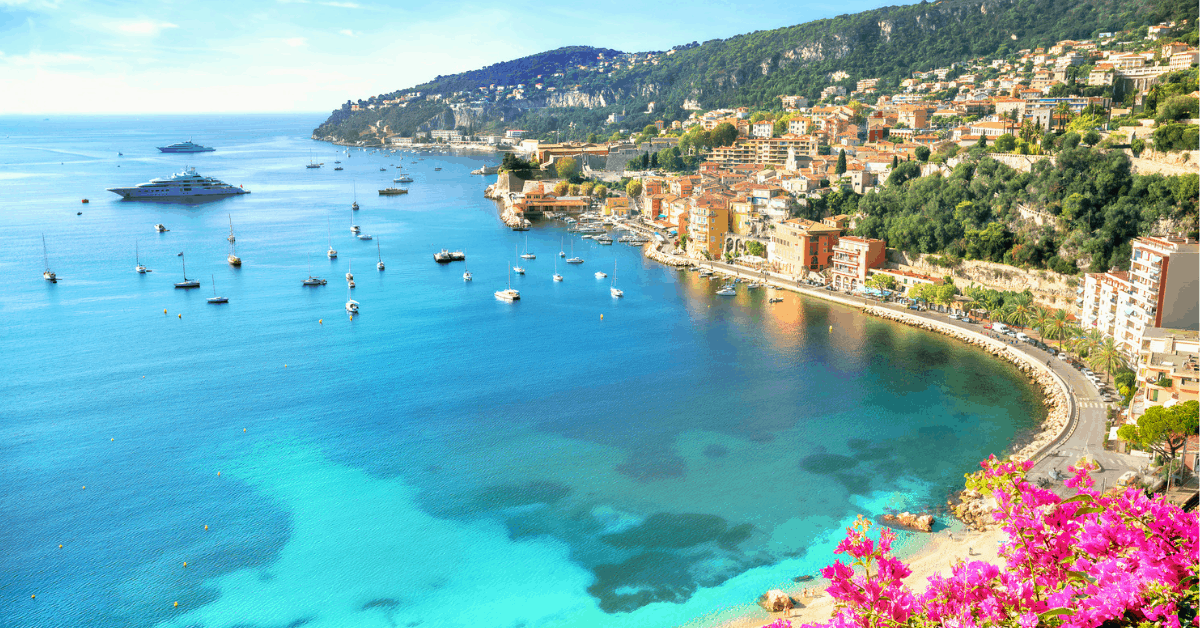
<point x="1161" y="289"/>
<point x="853" y="257"/>
<point x="708" y="222"/>
<point x="1168" y="372"/>
<point x="800" y="245"/>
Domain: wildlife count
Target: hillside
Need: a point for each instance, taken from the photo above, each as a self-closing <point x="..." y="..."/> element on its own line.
<point x="751" y="70"/>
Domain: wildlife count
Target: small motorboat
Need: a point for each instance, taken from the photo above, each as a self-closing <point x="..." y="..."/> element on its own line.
<point x="160" y="228"/>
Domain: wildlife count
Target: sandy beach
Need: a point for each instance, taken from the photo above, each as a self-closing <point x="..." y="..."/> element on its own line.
<point x="940" y="552"/>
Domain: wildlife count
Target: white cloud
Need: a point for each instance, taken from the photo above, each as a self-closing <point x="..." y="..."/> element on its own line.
<point x="347" y="32"/>
<point x="142" y="27"/>
<point x="38" y="59"/>
<point x="342" y="5"/>
<point x="296" y="42"/>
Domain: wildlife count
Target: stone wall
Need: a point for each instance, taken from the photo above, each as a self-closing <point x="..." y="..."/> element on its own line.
<point x="1050" y="289"/>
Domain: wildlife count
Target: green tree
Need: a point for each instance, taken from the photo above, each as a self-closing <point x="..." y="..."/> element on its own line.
<point x="600" y="191"/>
<point x="592" y="138"/>
<point x="650" y="131"/>
<point x="756" y="248"/>
<point x="585" y="189"/>
<point x="634" y="188"/>
<point x="566" y="167"/>
<point x="982" y="143"/>
<point x="1091" y="138"/>
<point x="1106" y="357"/>
<point x="840" y="168"/>
<point x="561" y="188"/>
<point x="922" y="154"/>
<point x="1163" y="430"/>
<point x="1058" y="327"/>
<point x="723" y="134"/>
<point x="1006" y="143"/>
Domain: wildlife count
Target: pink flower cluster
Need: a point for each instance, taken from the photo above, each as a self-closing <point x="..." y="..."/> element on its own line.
<point x="1085" y="561"/>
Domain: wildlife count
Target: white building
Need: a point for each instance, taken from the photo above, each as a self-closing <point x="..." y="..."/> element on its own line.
<point x="1161" y="289"/>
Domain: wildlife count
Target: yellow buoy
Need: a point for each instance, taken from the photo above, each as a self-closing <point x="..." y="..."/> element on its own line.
<point x="83" y="487"/>
<point x="60" y="546"/>
<point x="164" y="310"/>
<point x="205" y="527"/>
<point x="284" y="366"/>
<point x="111" y="440"/>
<point x="177" y="604"/>
<point x="321" y="321"/>
<point x="181" y="316"/>
<point x="185" y="563"/>
<point x="33" y="597"/>
<point x="601" y="317"/>
<point x="218" y="474"/>
<point x="831" y="328"/>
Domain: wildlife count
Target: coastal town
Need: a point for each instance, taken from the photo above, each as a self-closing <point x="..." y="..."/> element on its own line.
<point x="759" y="203"/>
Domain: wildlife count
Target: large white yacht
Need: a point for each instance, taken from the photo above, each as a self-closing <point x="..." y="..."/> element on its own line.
<point x="186" y="147"/>
<point x="186" y="184"/>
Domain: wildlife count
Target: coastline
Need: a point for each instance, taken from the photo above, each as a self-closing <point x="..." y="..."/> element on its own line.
<point x="937" y="553"/>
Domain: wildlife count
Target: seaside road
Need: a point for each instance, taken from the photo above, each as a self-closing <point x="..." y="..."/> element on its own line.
<point x="1087" y="435"/>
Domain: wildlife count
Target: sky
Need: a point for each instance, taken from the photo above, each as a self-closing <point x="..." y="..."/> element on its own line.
<point x="226" y="56"/>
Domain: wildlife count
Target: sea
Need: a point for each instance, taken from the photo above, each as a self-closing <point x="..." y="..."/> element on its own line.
<point x="442" y="458"/>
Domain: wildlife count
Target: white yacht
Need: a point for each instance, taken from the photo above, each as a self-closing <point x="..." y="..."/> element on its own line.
<point x="186" y="283"/>
<point x="312" y="281"/>
<point x="138" y="259"/>
<point x="601" y="274"/>
<point x="516" y="268"/>
<point x="380" y="253"/>
<point x="527" y="254"/>
<point x="161" y="228"/>
<point x="186" y="184"/>
<point x="508" y="294"/>
<point x="184" y="147"/>
<point x="214" y="298"/>
<point x="351" y="304"/>
<point x="233" y="259"/>
<point x="557" y="277"/>
<point x="331" y="253"/>
<point x="613" y="289"/>
<point x="47" y="274"/>
<point x="366" y="236"/>
<point x="726" y="291"/>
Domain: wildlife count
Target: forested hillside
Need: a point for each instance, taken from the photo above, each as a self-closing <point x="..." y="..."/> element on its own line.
<point x="754" y="69"/>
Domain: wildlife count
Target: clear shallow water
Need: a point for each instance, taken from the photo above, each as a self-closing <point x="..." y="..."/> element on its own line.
<point x="444" y="459"/>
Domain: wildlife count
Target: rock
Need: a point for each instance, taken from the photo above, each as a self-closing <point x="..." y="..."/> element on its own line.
<point x="775" y="601"/>
<point x="909" y="521"/>
<point x="804" y="578"/>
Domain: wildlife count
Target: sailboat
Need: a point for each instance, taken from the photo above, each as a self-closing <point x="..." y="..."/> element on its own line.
<point x="47" y="274"/>
<point x="573" y="259"/>
<point x="561" y="252"/>
<point x="351" y="304"/>
<point x="517" y="267"/>
<point x="312" y="281"/>
<point x="527" y="254"/>
<point x="353" y="227"/>
<point x="138" y="258"/>
<point x="349" y="274"/>
<point x="186" y="283"/>
<point x="234" y="260"/>
<point x="508" y="294"/>
<point x="331" y="253"/>
<point x="380" y="253"/>
<point x="557" y="277"/>
<point x="466" y="273"/>
<point x="613" y="289"/>
<point x="214" y="298"/>
<point x="311" y="163"/>
<point x="354" y="205"/>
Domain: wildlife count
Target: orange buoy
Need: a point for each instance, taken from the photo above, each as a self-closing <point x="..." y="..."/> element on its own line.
<point x="85" y="200"/>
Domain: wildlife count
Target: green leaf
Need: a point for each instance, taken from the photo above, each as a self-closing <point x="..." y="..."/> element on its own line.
<point x="1054" y="612"/>
<point x="1082" y="497"/>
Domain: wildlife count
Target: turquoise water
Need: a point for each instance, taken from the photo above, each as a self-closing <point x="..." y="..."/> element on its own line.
<point x="443" y="459"/>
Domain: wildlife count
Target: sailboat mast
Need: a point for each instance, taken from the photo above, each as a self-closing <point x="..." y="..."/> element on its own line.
<point x="45" y="257"/>
<point x="183" y="260"/>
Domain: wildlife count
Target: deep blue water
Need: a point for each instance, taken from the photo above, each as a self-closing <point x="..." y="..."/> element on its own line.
<point x="443" y="452"/>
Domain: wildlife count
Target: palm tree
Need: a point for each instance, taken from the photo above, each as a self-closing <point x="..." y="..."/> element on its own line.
<point x="1038" y="319"/>
<point x="1089" y="342"/>
<point x="1058" y="327"/>
<point x="1018" y="313"/>
<point x="1063" y="113"/>
<point x="1106" y="357"/>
